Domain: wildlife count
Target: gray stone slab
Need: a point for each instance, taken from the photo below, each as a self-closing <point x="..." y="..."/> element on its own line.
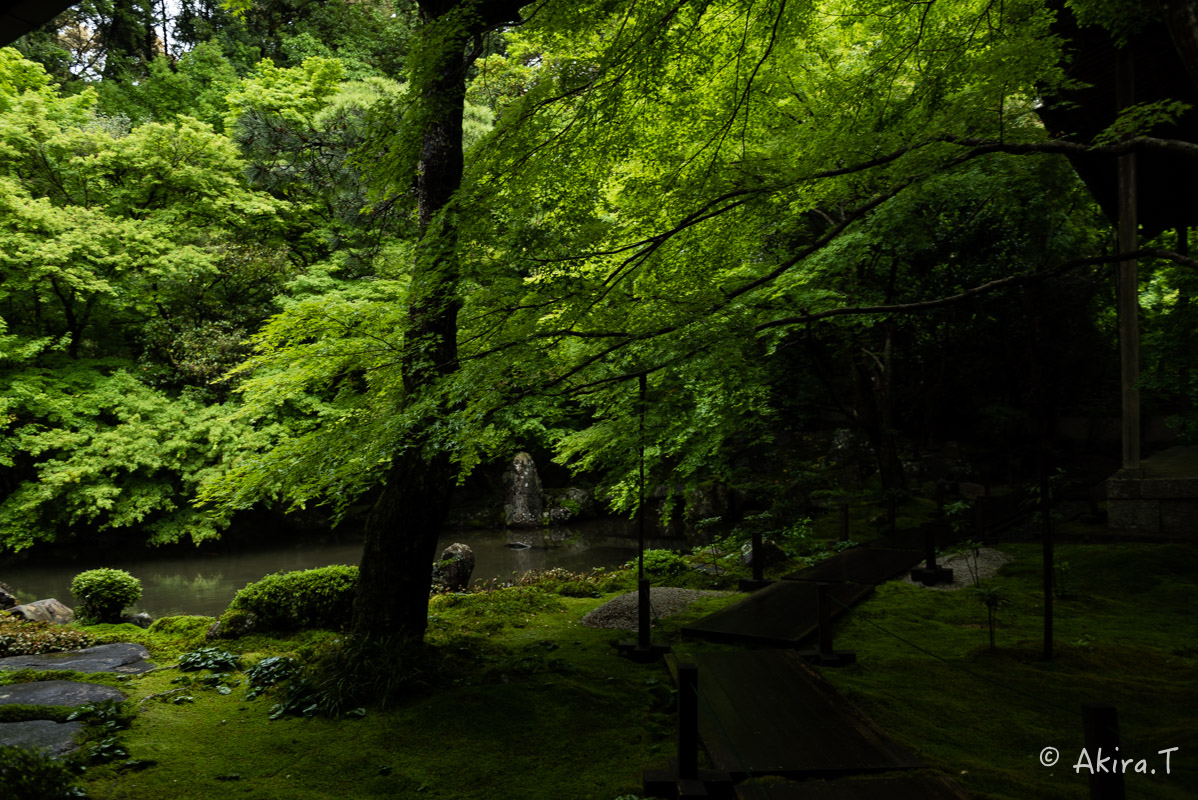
<point x="57" y="693"/>
<point x="1120" y="489"/>
<point x="1142" y="516"/>
<point x="48" y="610"/>
<point x="124" y="658"/>
<point x="54" y="738"/>
<point x="1173" y="488"/>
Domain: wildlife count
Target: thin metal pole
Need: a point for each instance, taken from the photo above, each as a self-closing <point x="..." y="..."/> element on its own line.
<point x="640" y="522"/>
<point x="642" y="584"/>
<point x="1128" y="275"/>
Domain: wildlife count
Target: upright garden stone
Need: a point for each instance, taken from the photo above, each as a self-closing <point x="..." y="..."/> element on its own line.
<point x="569" y="504"/>
<point x="523" y="499"/>
<point x="7" y="598"/>
<point x="455" y="567"/>
<point x="140" y="619"/>
<point x="771" y="554"/>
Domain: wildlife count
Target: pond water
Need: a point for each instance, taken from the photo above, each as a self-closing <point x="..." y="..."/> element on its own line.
<point x="203" y="581"/>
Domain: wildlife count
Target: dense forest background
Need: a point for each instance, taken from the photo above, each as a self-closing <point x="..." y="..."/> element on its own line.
<point x="222" y="279"/>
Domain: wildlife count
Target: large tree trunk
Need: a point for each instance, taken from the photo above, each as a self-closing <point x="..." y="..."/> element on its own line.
<point x="402" y="527"/>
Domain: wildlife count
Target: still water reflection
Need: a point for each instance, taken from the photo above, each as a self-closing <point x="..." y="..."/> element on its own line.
<point x="205" y="580"/>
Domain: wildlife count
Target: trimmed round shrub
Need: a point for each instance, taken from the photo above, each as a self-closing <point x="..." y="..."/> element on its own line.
<point x="310" y="598"/>
<point x="102" y="594"/>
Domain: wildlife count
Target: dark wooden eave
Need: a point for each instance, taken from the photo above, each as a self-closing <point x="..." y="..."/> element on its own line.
<point x="19" y="17"/>
<point x="1165" y="55"/>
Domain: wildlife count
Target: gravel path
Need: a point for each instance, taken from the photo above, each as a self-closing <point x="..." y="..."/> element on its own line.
<point x="989" y="560"/>
<point x="664" y="601"/>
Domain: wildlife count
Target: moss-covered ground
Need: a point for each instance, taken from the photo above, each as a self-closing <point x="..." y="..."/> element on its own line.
<point x="515" y="698"/>
<point x="1126" y="633"/>
<point x="522" y="702"/>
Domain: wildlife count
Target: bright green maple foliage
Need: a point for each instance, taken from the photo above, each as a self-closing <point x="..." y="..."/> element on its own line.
<point x="108" y="231"/>
<point x="666" y="185"/>
<point x="669" y="190"/>
<point x="679" y="180"/>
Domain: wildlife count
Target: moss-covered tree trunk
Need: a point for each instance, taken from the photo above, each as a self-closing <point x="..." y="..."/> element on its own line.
<point x="402" y="527"/>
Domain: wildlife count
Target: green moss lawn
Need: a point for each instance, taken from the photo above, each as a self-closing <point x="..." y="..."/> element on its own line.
<point x="1126" y="633"/>
<point x="516" y="699"/>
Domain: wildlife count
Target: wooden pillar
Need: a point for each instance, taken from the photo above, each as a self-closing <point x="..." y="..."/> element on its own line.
<point x="823" y="613"/>
<point x="1102" y="741"/>
<point x="758" y="556"/>
<point x="1049" y="556"/>
<point x="688" y="721"/>
<point x="1128" y="275"/>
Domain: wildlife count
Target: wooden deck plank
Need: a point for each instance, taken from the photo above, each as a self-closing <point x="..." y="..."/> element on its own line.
<point x="766" y="712"/>
<point x="870" y="565"/>
<point x="914" y="538"/>
<point x="782" y="614"/>
<point x="913" y="787"/>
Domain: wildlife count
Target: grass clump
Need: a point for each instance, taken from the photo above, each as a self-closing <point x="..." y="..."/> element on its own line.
<point x="566" y="583"/>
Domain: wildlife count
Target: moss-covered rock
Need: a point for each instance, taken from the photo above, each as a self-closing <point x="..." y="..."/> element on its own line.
<point x="232" y="624"/>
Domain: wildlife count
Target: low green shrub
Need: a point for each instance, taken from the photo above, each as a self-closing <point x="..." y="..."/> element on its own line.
<point x="660" y="565"/>
<point x="210" y="658"/>
<point x="19" y="637"/>
<point x="102" y="594"/>
<point x="30" y="775"/>
<point x="564" y="582"/>
<point x="310" y="598"/>
<point x="270" y="671"/>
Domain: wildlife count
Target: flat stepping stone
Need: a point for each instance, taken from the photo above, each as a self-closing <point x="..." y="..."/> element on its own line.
<point x="57" y="693"/>
<point x="56" y="739"/>
<point x="124" y="658"/>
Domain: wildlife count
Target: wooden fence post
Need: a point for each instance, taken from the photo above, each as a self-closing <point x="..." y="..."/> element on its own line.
<point x="688" y="721"/>
<point x="1102" y="741"/>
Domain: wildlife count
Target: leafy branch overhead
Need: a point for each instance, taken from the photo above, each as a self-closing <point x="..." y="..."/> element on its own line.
<point x="322" y="254"/>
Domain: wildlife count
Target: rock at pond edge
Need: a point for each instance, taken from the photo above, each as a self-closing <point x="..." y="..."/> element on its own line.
<point x="49" y="610"/>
